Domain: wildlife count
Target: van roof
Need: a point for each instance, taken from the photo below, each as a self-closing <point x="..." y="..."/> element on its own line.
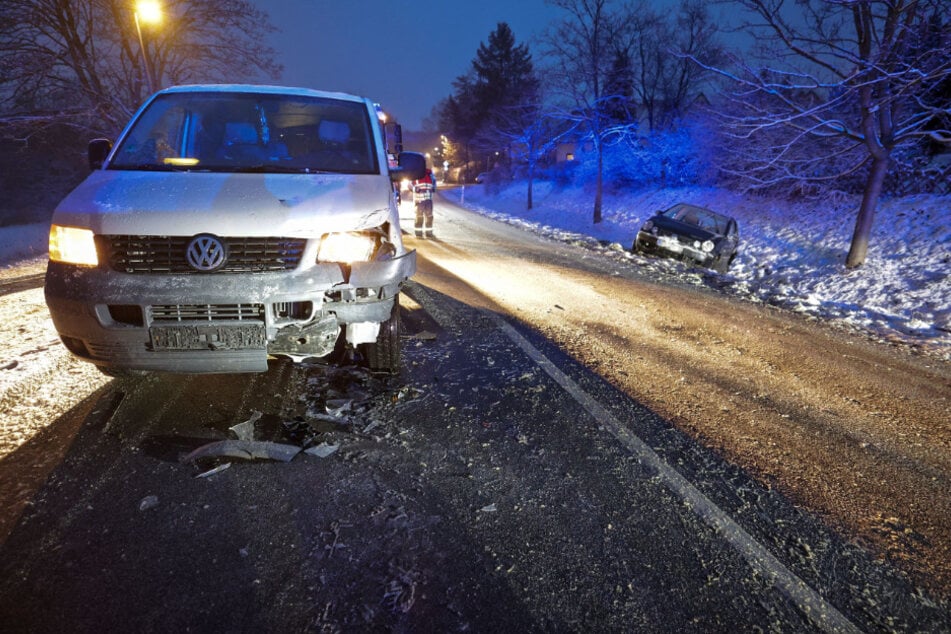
<point x="261" y="88"/>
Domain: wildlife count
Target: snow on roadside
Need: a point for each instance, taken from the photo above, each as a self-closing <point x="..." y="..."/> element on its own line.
<point x="21" y="242"/>
<point x="792" y="254"/>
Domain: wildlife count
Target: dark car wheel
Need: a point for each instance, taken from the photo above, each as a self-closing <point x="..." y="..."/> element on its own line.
<point x="722" y="263"/>
<point x="384" y="354"/>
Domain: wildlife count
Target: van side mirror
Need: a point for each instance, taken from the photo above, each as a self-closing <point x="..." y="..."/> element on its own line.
<point x="410" y="166"/>
<point x="97" y="152"/>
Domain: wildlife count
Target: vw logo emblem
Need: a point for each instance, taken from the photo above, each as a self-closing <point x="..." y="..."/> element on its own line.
<point x="205" y="253"/>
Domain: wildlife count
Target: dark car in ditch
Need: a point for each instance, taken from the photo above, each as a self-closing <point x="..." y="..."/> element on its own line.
<point x="691" y="233"/>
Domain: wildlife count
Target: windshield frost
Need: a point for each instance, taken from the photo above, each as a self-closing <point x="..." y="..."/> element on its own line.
<point x="249" y="132"/>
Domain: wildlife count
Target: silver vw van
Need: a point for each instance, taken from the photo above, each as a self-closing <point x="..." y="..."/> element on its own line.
<point x="229" y="223"/>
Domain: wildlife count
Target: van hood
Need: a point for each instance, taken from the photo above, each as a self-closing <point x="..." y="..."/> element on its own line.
<point x="113" y="202"/>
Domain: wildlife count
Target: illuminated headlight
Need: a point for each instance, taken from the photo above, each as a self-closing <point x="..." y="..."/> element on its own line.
<point x="707" y="246"/>
<point x="73" y="246"/>
<point x="346" y="247"/>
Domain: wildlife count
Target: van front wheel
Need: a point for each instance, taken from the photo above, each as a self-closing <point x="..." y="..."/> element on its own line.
<point x="384" y="354"/>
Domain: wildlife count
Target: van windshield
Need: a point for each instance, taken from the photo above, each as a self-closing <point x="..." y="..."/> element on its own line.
<point x="249" y="132"/>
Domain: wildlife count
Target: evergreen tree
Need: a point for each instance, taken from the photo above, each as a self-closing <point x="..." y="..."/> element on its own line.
<point x="504" y="72"/>
<point x="496" y="88"/>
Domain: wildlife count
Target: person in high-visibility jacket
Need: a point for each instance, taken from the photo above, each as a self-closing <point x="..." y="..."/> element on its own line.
<point x="423" y="199"/>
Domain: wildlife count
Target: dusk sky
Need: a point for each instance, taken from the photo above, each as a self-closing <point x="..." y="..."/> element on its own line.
<point x="404" y="54"/>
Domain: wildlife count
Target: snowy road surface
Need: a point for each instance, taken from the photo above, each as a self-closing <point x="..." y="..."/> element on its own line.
<point x="567" y="449"/>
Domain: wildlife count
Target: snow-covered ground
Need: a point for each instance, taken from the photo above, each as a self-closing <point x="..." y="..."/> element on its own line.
<point x="792" y="254"/>
<point x="22" y="242"/>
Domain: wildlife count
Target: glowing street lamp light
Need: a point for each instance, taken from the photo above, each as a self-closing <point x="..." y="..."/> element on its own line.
<point x="150" y="12"/>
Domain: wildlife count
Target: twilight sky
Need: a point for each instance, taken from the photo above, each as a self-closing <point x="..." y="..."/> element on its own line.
<point x="402" y="53"/>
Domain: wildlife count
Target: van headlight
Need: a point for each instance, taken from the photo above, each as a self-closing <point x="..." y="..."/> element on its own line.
<point x="73" y="245"/>
<point x="347" y="247"/>
<point x="707" y="246"/>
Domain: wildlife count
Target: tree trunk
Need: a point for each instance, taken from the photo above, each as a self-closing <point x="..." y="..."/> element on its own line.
<point x="531" y="182"/>
<point x="599" y="185"/>
<point x="866" y="216"/>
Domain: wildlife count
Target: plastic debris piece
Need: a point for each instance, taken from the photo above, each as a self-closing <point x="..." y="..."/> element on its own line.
<point x="491" y="508"/>
<point x="148" y="502"/>
<point x="424" y="336"/>
<point x="245" y="430"/>
<point x="327" y="418"/>
<point x="245" y="449"/>
<point x="211" y="472"/>
<point x="337" y="406"/>
<point x="322" y="450"/>
<point x="373" y="425"/>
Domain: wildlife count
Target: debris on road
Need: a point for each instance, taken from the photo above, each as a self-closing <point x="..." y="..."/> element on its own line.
<point x="245" y="449"/>
<point x="322" y="450"/>
<point x="214" y="470"/>
<point x="245" y="430"/>
<point x="148" y="502"/>
<point x="336" y="407"/>
<point x="373" y="425"/>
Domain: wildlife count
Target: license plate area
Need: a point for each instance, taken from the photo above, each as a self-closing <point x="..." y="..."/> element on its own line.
<point x="208" y="337"/>
<point x="671" y="244"/>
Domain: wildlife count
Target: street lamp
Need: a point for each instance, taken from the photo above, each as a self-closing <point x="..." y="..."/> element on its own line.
<point x="150" y="12"/>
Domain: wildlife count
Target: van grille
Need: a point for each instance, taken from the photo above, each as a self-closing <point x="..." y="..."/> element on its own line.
<point x="166" y="254"/>
<point x="166" y="313"/>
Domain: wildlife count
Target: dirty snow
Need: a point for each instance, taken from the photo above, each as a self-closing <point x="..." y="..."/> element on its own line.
<point x="792" y="254"/>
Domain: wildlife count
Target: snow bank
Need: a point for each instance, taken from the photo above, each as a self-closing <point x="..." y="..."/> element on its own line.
<point x="21" y="242"/>
<point x="792" y="254"/>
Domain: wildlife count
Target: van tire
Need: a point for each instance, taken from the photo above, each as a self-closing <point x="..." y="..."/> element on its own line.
<point x="384" y="354"/>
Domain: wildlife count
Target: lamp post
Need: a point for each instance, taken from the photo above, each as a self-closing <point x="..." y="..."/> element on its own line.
<point x="150" y="12"/>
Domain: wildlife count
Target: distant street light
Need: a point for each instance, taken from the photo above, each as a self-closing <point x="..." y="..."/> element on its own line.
<point x="150" y="12"/>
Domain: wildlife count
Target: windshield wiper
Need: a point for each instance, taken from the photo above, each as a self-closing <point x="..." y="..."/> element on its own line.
<point x="148" y="167"/>
<point x="266" y="168"/>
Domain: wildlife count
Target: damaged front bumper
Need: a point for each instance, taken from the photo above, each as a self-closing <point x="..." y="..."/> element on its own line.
<point x="672" y="247"/>
<point x="219" y="323"/>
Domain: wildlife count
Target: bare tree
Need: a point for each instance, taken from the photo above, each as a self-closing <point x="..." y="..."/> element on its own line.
<point x="80" y="61"/>
<point x="582" y="46"/>
<point x="843" y="85"/>
<point x="530" y="134"/>
<point x="668" y="82"/>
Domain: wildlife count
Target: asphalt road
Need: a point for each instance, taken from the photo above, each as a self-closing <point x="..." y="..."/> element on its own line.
<point x="496" y="485"/>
